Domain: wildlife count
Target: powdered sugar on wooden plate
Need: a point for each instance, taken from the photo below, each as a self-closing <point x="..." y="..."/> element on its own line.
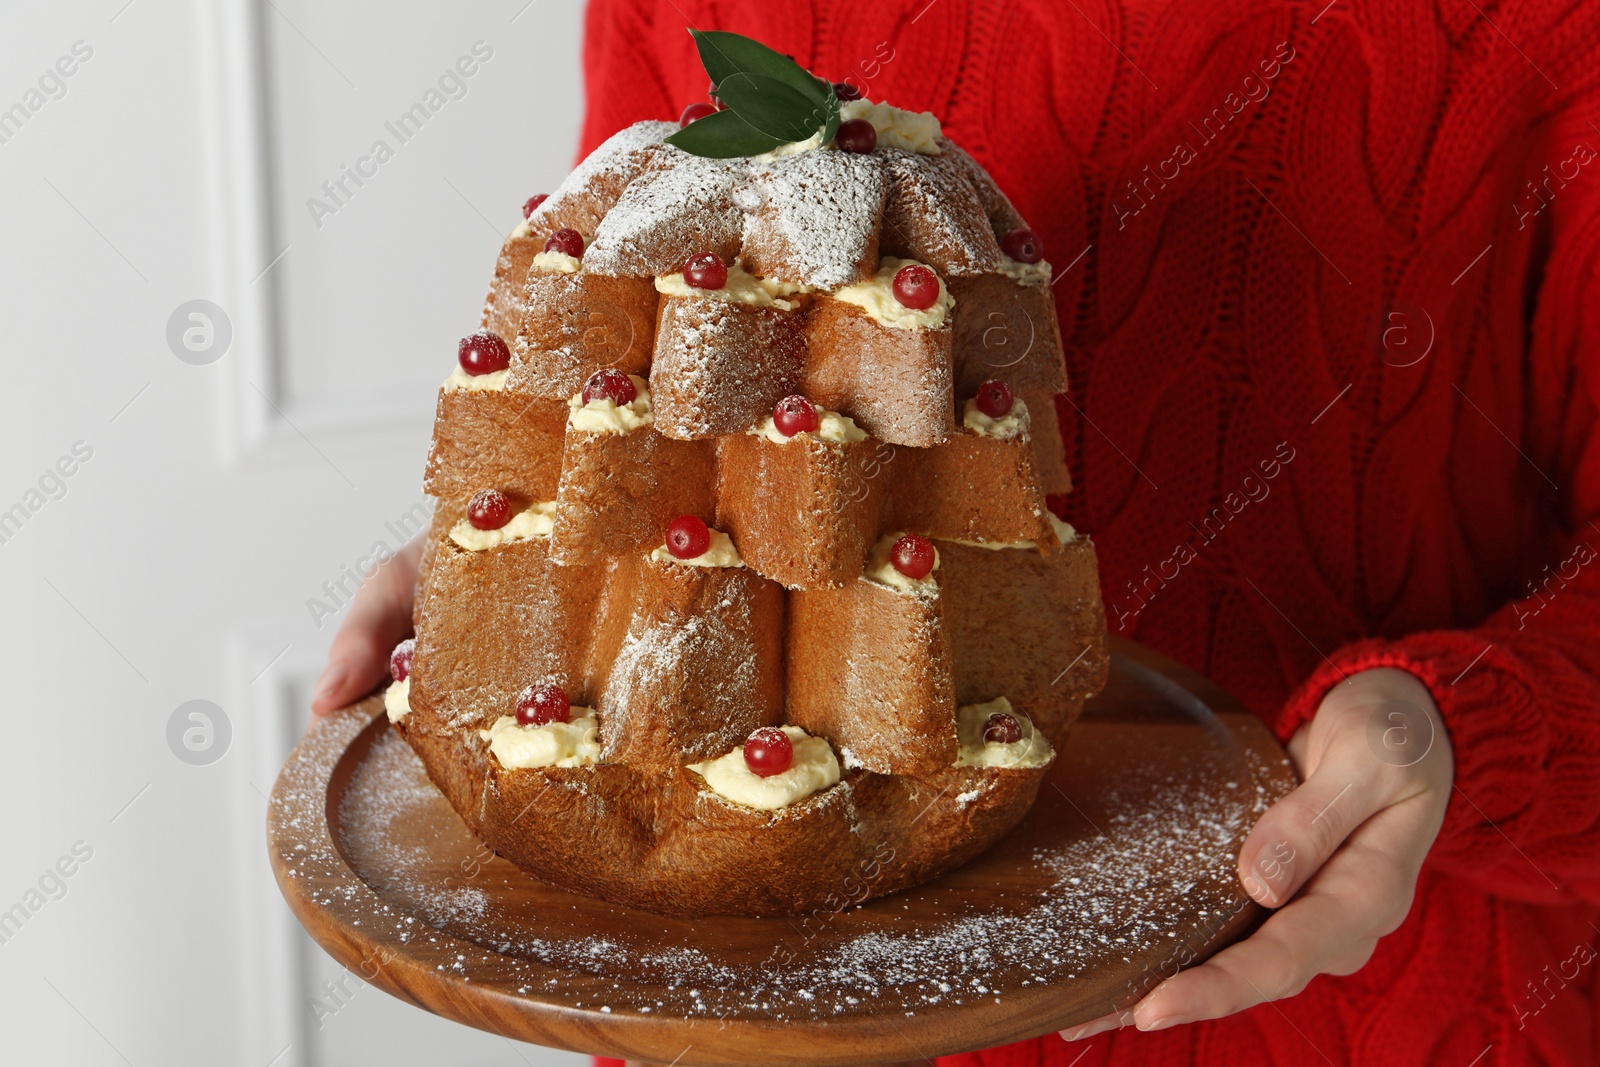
<point x="1099" y="898"/>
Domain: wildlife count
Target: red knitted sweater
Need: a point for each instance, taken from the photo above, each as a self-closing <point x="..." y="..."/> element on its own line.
<point x="1365" y="236"/>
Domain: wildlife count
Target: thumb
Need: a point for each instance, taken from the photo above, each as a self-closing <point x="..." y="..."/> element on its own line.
<point x="379" y="618"/>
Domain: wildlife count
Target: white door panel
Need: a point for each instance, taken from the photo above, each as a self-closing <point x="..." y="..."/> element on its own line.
<point x="170" y="518"/>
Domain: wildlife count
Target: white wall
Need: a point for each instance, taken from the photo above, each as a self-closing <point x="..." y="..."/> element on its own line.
<point x="175" y="563"/>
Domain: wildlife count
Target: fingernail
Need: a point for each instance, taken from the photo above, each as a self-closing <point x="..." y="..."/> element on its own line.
<point x="1258" y="891"/>
<point x="1163" y="1022"/>
<point x="331" y="679"/>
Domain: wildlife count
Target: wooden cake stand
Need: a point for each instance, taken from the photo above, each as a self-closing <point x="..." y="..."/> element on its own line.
<point x="1122" y="873"/>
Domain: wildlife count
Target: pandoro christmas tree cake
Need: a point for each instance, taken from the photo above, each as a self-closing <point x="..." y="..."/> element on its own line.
<point x="742" y="595"/>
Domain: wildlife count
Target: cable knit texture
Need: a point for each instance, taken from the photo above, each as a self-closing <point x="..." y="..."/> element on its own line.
<point x="1328" y="277"/>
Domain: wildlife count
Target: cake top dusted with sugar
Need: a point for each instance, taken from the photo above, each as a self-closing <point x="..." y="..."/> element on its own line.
<point x="820" y="217"/>
<point x="790" y="180"/>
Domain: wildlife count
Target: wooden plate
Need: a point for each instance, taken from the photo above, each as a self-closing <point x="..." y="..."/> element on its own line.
<point x="1123" y="872"/>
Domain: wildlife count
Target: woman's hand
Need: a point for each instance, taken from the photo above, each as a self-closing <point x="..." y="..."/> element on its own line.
<point x="1337" y="858"/>
<point x="380" y="617"/>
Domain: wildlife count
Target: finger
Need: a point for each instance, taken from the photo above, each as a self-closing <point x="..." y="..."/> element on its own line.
<point x="1292" y="947"/>
<point x="1363" y="893"/>
<point x="1376" y="870"/>
<point x="1312" y="936"/>
<point x="379" y="618"/>
<point x="359" y="656"/>
<point x="1296" y="836"/>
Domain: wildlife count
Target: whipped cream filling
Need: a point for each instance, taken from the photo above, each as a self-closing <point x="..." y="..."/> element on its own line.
<point x="876" y="297"/>
<point x="476" y="383"/>
<point x="521" y="229"/>
<point x="607" y="416"/>
<point x="554" y="744"/>
<point x="742" y="288"/>
<point x="1025" y="273"/>
<point x="559" y="262"/>
<point x="536" y="521"/>
<point x="815" y="768"/>
<point x="793" y="148"/>
<point x="722" y="553"/>
<point x="992" y="545"/>
<point x="1063" y="531"/>
<point x="835" y="429"/>
<point x="1013" y="423"/>
<point x="1030" y="751"/>
<point x="880" y="569"/>
<point x="910" y="131"/>
<point x="913" y="131"/>
<point x="397" y="699"/>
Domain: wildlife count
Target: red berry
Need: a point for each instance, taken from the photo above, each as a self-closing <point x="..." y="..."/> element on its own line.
<point x="1001" y="729"/>
<point x="540" y="704"/>
<point x="913" y="556"/>
<point x="857" y="135"/>
<point x="569" y="242"/>
<point x="483" y="353"/>
<point x="795" y="414"/>
<point x="768" y="751"/>
<point x="994" y="398"/>
<point x="696" y="112"/>
<point x="612" y="385"/>
<point x="916" y="287"/>
<point x="488" y="509"/>
<point x="688" y="537"/>
<point x="706" y="271"/>
<point x="400" y="659"/>
<point x="846" y="91"/>
<point x="1023" y="246"/>
<point x="533" y="204"/>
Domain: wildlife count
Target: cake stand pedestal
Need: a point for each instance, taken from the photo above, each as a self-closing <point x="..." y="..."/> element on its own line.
<point x="1122" y="873"/>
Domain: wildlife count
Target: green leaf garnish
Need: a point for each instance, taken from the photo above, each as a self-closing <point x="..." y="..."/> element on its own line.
<point x="723" y="135"/>
<point x="773" y="106"/>
<point x="723" y="54"/>
<point x="770" y="100"/>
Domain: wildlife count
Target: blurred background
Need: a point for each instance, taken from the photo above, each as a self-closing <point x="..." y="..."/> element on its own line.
<point x="226" y="311"/>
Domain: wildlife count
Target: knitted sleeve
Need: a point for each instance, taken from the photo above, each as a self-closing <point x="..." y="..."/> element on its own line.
<point x="1520" y="693"/>
<point x="623" y="75"/>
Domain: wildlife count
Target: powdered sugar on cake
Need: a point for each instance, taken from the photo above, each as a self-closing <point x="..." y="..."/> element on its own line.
<point x="655" y="650"/>
<point x="680" y="202"/>
<point x="720" y="366"/>
<point x="933" y="214"/>
<point x="819" y="222"/>
<point x="611" y="166"/>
